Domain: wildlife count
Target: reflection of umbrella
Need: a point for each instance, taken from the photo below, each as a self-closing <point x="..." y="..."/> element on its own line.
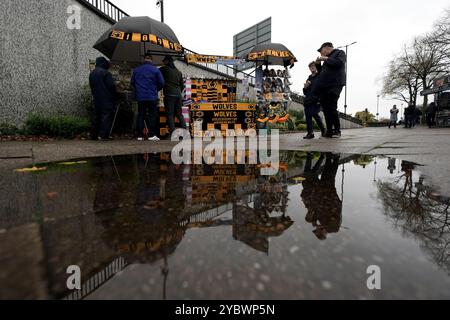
<point x="131" y="37"/>
<point x="272" y="54"/>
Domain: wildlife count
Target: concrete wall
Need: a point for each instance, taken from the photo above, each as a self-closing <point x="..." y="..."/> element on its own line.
<point x="44" y="66"/>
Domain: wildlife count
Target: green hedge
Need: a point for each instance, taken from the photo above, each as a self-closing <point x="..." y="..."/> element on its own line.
<point x="8" y="130"/>
<point x="56" y="126"/>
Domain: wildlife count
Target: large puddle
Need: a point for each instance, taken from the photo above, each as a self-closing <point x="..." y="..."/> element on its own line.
<point x="140" y="227"/>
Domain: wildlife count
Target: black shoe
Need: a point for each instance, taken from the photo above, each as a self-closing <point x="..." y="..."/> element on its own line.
<point x="309" y="136"/>
<point x="337" y="134"/>
<point x="328" y="135"/>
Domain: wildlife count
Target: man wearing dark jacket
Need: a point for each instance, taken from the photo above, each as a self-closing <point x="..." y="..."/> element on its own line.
<point x="104" y="91"/>
<point x="173" y="93"/>
<point x="431" y="114"/>
<point x="147" y="81"/>
<point x="312" y="104"/>
<point x="332" y="79"/>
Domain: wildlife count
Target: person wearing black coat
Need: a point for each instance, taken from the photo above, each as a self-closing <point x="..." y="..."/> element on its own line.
<point x="104" y="91"/>
<point x="311" y="102"/>
<point x="332" y="80"/>
<point x="431" y="114"/>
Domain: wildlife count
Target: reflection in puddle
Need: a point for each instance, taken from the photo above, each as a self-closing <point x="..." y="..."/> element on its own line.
<point x="141" y="227"/>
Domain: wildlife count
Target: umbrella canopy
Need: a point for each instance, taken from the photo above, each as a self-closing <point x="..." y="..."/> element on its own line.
<point x="272" y="54"/>
<point x="131" y="37"/>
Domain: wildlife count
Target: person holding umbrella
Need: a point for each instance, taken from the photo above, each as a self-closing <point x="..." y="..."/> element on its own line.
<point x="173" y="93"/>
<point x="105" y="96"/>
<point x="147" y="81"/>
<point x="332" y="80"/>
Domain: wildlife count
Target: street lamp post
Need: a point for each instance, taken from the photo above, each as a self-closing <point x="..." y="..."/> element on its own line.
<point x="346" y="68"/>
<point x="160" y="4"/>
<point x="378" y="107"/>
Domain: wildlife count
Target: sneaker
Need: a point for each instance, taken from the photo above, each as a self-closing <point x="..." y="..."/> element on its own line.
<point x="337" y="134"/>
<point x="309" y="136"/>
<point x="155" y="138"/>
<point x="328" y="135"/>
<point x="140" y="139"/>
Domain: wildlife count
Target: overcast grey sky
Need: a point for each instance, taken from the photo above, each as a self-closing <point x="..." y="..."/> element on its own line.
<point x="380" y="27"/>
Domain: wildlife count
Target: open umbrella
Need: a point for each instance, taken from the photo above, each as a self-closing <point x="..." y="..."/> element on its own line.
<point x="272" y="54"/>
<point x="131" y="37"/>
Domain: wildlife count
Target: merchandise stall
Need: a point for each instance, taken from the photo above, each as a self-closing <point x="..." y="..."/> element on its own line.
<point x="214" y="103"/>
<point x="273" y="92"/>
<point x="441" y="92"/>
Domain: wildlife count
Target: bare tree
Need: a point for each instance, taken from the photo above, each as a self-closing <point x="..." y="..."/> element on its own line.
<point x="426" y="59"/>
<point x="401" y="82"/>
<point x="441" y="32"/>
<point x="422" y="62"/>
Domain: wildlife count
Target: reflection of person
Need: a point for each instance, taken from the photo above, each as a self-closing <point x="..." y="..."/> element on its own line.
<point x="391" y="165"/>
<point x="332" y="79"/>
<point x="173" y="93"/>
<point x="312" y="105"/>
<point x="104" y="91"/>
<point x="147" y="81"/>
<point x="321" y="198"/>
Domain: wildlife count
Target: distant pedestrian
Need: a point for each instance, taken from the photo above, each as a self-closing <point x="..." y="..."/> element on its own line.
<point x="431" y="115"/>
<point x="173" y="93"/>
<point x="332" y="79"/>
<point x="104" y="92"/>
<point x="410" y="116"/>
<point x="418" y="118"/>
<point x="147" y="81"/>
<point x="394" y="117"/>
<point x="311" y="102"/>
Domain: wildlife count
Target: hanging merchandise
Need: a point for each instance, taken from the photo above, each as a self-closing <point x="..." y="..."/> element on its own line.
<point x="197" y="58"/>
<point x="230" y="119"/>
<point x="273" y="91"/>
<point x="213" y="90"/>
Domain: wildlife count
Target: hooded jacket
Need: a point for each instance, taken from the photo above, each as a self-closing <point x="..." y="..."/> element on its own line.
<point x="147" y="81"/>
<point x="174" y="83"/>
<point x="102" y="85"/>
<point x="333" y="71"/>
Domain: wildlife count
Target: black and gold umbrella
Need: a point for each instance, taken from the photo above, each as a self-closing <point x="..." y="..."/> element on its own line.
<point x="131" y="37"/>
<point x="272" y="54"/>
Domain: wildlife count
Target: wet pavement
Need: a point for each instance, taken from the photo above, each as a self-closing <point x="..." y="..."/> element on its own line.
<point x="140" y="227"/>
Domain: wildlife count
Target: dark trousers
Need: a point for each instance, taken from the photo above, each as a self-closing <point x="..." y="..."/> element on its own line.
<point x="312" y="112"/>
<point x="431" y="120"/>
<point x="410" y="121"/>
<point x="329" y="100"/>
<point x="392" y="123"/>
<point x="102" y="120"/>
<point x="174" y="107"/>
<point x="148" y="117"/>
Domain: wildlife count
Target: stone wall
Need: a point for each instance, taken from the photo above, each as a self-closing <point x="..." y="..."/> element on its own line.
<point x="44" y="66"/>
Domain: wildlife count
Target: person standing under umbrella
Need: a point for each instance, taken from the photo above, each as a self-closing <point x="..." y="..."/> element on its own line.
<point x="104" y="92"/>
<point x="173" y="93"/>
<point x="332" y="80"/>
<point x="147" y="81"/>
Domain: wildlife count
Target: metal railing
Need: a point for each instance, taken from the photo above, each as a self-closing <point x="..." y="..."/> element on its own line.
<point x="106" y="9"/>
